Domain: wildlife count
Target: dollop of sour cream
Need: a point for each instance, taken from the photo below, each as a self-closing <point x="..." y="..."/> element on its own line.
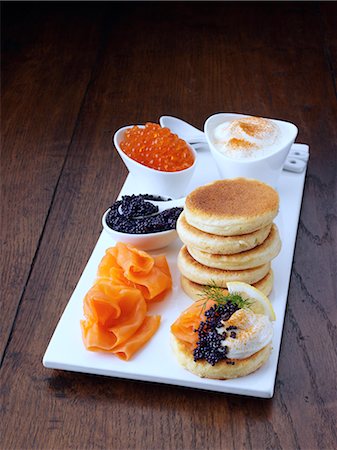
<point x="252" y="333"/>
<point x="247" y="137"/>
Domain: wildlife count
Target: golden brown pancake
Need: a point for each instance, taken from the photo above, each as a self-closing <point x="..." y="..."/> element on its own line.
<point x="213" y="243"/>
<point x="194" y="271"/>
<point x="254" y="257"/>
<point x="231" y="207"/>
<point x="220" y="370"/>
<point x="195" y="291"/>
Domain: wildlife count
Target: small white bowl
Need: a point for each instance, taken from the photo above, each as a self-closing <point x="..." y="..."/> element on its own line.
<point x="149" y="241"/>
<point x="151" y="181"/>
<point x="264" y="168"/>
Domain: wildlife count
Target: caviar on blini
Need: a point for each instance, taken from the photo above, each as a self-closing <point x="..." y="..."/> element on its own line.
<point x="157" y="148"/>
<point x="208" y="346"/>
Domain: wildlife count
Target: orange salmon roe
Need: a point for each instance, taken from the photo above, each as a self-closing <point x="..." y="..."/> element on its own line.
<point x="158" y="148"/>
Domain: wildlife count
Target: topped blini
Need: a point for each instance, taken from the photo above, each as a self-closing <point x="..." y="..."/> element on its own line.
<point x="225" y="336"/>
<point x="231" y="207"/>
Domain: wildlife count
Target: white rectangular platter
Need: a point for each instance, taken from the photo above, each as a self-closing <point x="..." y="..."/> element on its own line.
<point x="156" y="362"/>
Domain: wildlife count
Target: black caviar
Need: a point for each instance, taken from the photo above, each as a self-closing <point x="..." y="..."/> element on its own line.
<point x="135" y="214"/>
<point x="209" y="343"/>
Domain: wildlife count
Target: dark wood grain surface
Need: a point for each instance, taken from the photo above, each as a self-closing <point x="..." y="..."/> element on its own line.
<point x="72" y="73"/>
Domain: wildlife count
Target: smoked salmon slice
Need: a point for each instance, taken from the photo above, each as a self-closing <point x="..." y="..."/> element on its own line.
<point x="108" y="268"/>
<point x="132" y="260"/>
<point x="189" y="320"/>
<point x="143" y="334"/>
<point x="115" y="308"/>
<point x="126" y="264"/>
<point x="95" y="337"/>
<point x="119" y="310"/>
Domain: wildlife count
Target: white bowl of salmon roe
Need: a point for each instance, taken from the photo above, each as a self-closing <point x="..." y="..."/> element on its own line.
<point x="163" y="181"/>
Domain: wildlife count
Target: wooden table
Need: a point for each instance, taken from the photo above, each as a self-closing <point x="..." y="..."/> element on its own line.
<point x="74" y="73"/>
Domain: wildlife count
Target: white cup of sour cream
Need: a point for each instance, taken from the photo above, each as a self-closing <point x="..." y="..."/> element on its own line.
<point x="250" y="147"/>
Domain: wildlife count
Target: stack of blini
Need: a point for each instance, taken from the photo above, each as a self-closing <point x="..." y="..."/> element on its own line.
<point x="229" y="235"/>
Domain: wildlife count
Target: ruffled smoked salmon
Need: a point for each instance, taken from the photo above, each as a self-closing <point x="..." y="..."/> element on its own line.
<point x="126" y="264"/>
<point x="189" y="320"/>
<point x="116" y="306"/>
<point x="119" y="310"/>
<point x="136" y="341"/>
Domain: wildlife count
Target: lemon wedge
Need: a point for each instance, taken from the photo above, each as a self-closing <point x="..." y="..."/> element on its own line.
<point x="259" y="302"/>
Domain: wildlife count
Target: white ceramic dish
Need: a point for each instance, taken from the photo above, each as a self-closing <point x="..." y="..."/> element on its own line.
<point x="295" y="162"/>
<point x="266" y="168"/>
<point x="155" y="362"/>
<point x="149" y="241"/>
<point x="171" y="184"/>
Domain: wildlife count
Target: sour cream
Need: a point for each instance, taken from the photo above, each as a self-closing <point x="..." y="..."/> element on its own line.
<point x="247" y="137"/>
<point x="253" y="332"/>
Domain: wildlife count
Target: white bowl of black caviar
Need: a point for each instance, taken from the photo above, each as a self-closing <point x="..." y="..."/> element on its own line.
<point x="139" y="221"/>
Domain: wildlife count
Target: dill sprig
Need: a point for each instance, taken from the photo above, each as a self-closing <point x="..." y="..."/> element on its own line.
<point x="221" y="297"/>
